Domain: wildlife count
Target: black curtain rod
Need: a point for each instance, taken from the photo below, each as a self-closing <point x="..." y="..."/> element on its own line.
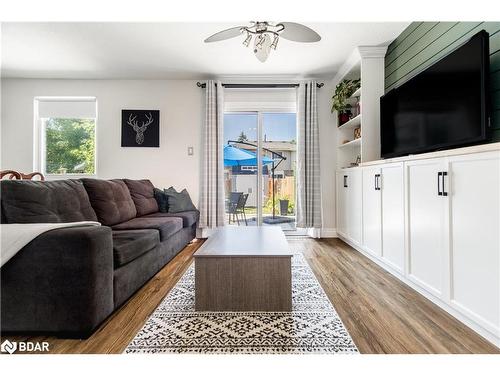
<point x="258" y="85"/>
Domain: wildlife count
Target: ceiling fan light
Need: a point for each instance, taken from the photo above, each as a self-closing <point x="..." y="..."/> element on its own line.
<point x="247" y="40"/>
<point x="275" y="42"/>
<point x="267" y="35"/>
<point x="262" y="47"/>
<point x="259" y="41"/>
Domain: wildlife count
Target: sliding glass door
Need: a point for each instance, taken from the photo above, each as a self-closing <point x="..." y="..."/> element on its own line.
<point x="260" y="168"/>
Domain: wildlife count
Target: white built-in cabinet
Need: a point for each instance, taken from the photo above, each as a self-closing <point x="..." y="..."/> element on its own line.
<point x="354" y="188"/>
<point x="427" y="224"/>
<point x="393" y="216"/>
<point x="434" y="223"/>
<point x="372" y="210"/>
<point x="473" y="186"/>
<point x="349" y="190"/>
<point x="341" y="216"/>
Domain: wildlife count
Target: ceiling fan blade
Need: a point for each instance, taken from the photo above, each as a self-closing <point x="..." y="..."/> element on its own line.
<point x="299" y="33"/>
<point x="233" y="32"/>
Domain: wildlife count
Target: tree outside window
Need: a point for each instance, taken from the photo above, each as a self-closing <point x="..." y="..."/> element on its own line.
<point x="242" y="137"/>
<point x="69" y="146"/>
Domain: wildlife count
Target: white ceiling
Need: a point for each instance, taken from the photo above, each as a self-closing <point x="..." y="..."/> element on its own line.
<point x="173" y="50"/>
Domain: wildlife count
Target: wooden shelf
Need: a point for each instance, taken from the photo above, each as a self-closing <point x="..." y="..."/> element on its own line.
<point x="356" y="93"/>
<point x="352" y="123"/>
<point x="353" y="143"/>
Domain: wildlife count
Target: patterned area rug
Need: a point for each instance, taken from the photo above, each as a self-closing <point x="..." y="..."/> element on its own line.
<point x="313" y="326"/>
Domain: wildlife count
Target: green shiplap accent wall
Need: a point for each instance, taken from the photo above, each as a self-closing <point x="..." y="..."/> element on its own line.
<point x="421" y="44"/>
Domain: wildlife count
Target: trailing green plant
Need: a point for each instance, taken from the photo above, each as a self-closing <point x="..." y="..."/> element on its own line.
<point x="342" y="92"/>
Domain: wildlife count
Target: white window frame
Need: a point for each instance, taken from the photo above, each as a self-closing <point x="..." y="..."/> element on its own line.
<point x="259" y="108"/>
<point x="39" y="149"/>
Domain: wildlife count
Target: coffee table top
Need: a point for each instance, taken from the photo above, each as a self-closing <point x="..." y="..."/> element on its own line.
<point x="258" y="241"/>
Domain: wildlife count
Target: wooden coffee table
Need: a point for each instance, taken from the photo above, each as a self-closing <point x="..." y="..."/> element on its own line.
<point x="244" y="269"/>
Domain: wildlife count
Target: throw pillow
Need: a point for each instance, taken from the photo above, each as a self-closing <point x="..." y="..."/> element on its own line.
<point x="179" y="202"/>
<point x="162" y="199"/>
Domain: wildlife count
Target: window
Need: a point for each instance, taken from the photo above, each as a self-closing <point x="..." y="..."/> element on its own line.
<point x="67" y="135"/>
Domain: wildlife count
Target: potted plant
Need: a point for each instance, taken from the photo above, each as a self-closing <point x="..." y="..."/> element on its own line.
<point x="284" y="206"/>
<point x="339" y="99"/>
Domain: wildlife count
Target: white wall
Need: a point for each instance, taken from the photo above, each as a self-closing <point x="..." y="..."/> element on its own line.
<point x="181" y="105"/>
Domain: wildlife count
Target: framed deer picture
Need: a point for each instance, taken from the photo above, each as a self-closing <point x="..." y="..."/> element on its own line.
<point x="140" y="128"/>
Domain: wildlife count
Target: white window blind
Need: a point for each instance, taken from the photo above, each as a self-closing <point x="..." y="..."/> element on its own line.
<point x="67" y="108"/>
<point x="260" y="99"/>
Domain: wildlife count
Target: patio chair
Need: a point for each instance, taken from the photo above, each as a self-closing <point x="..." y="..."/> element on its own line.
<point x="240" y="207"/>
<point x="232" y="205"/>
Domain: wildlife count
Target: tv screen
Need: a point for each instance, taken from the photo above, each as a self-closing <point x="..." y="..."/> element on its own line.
<point x="444" y="106"/>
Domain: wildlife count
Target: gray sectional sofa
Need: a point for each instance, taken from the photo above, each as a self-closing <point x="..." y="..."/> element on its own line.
<point x="67" y="281"/>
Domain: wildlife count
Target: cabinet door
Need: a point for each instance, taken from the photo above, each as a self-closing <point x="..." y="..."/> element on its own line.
<point x="341" y="204"/>
<point x="474" y="231"/>
<point x="426" y="225"/>
<point x="393" y="216"/>
<point x="353" y="207"/>
<point x="372" y="211"/>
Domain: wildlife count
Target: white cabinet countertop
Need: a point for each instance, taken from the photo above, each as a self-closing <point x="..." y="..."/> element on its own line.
<point x="436" y="154"/>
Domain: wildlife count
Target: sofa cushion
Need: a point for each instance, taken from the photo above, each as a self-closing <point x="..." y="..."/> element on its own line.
<point x="188" y="217"/>
<point x="165" y="225"/>
<point x="111" y="200"/>
<point x="45" y="201"/>
<point x="130" y="244"/>
<point x="143" y="196"/>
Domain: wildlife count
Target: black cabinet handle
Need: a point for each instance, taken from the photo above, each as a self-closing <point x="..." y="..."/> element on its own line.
<point x="345" y="181"/>
<point x="377" y="181"/>
<point x="440" y="174"/>
<point x="445" y="193"/>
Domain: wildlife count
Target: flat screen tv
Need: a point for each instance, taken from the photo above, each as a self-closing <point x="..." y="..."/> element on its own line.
<point x="445" y="106"/>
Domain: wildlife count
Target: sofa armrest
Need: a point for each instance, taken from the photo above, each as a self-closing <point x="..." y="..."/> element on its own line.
<point x="61" y="282"/>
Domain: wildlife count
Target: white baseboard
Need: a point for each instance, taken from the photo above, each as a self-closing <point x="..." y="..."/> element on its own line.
<point x="329" y="233"/>
<point x="204" y="232"/>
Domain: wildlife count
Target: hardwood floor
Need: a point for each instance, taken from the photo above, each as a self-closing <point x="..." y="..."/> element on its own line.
<point x="382" y="314"/>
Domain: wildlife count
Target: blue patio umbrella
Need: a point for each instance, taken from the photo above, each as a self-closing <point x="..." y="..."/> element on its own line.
<point x="234" y="156"/>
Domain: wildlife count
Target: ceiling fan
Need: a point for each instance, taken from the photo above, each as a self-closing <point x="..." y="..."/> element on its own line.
<point x="267" y="35"/>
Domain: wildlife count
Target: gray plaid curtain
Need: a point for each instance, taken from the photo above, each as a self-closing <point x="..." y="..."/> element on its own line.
<point x="212" y="188"/>
<point x="308" y="174"/>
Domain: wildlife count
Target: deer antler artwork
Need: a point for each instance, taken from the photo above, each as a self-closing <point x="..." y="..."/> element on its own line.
<point x="139" y="130"/>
